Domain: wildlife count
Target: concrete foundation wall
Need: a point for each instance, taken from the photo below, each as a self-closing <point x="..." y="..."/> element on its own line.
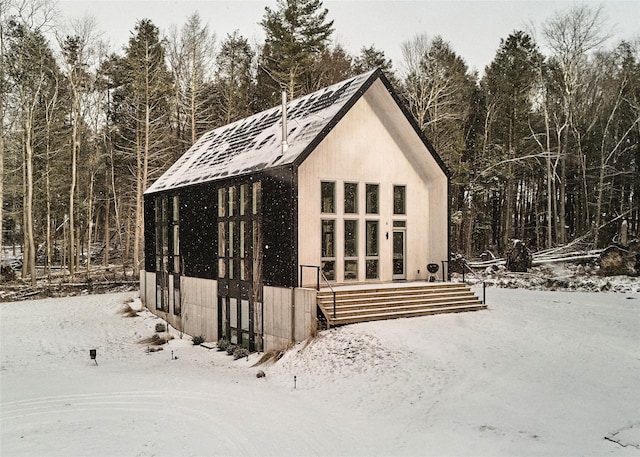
<point x="286" y="321"/>
<point x="289" y="316"/>
<point x="199" y="305"/>
<point x="306" y="320"/>
<point x="148" y="289"/>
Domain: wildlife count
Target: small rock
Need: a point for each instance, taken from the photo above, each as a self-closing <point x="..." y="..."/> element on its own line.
<point x="261" y="374"/>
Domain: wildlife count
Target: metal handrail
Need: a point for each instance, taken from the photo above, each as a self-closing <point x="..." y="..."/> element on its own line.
<point x="319" y="273"/>
<point x="484" y="284"/>
<point x="332" y="291"/>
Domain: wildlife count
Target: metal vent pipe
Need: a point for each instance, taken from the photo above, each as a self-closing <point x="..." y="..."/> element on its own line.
<point x="285" y="145"/>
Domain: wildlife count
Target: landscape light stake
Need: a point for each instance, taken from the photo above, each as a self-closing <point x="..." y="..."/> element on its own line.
<point x="92" y="354"/>
<point x="294" y="382"/>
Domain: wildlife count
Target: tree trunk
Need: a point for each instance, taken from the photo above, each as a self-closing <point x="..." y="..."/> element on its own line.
<point x="127" y="243"/>
<point x="138" y="205"/>
<point x="25" y="228"/>
<point x="549" y="179"/>
<point x="116" y="211"/>
<point x="1" y="167"/>
<point x="47" y="184"/>
<point x="192" y="100"/>
<point x="508" y="209"/>
<point x="107" y="215"/>
<point x="89" y="223"/>
<point x="28" y="210"/>
<point x="72" y="189"/>
<point x="562" y="218"/>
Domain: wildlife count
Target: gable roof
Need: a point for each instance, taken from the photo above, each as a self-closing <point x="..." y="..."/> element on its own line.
<point x="254" y="143"/>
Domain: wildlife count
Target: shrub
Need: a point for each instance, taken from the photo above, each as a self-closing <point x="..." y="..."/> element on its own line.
<point x="240" y="352"/>
<point x="128" y="311"/>
<point x="160" y="327"/>
<point x="231" y="349"/>
<point x="198" y="340"/>
<point x="156" y="340"/>
<point x="223" y="344"/>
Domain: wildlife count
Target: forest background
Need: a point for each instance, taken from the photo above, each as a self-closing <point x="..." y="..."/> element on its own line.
<point x="542" y="148"/>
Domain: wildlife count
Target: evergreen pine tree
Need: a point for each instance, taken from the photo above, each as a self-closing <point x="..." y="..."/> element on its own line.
<point x="296" y="33"/>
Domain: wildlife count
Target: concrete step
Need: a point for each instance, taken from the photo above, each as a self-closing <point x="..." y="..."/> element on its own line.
<point x="396" y="315"/>
<point x="365" y="304"/>
<point x="395" y="308"/>
<point x="398" y="297"/>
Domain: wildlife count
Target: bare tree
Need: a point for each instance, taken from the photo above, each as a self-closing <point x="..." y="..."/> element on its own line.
<point x="436" y="86"/>
<point x="29" y="65"/>
<point x="4" y="6"/>
<point x="570" y="35"/>
<point x="146" y="87"/>
<point x="191" y="54"/>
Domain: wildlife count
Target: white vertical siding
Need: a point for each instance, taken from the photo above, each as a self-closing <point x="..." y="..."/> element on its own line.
<point x="362" y="149"/>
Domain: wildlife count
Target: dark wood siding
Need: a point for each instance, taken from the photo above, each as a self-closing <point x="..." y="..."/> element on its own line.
<point x="198" y="230"/>
<point x="279" y="212"/>
<point x="149" y="233"/>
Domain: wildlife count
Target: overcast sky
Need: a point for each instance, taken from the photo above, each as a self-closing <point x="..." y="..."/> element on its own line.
<point x="474" y="28"/>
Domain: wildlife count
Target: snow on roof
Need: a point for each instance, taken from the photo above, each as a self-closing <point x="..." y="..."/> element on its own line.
<point x="255" y="143"/>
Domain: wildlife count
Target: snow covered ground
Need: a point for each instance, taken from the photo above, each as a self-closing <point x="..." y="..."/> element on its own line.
<point x="539" y="373"/>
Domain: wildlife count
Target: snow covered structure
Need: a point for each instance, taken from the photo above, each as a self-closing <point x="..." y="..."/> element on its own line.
<point x="243" y="227"/>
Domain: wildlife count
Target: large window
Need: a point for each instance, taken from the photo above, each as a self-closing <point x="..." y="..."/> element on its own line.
<point x="232" y="201"/>
<point x="162" y="253"/>
<point x="350" y="249"/>
<point x="328" y="249"/>
<point x="175" y="222"/>
<point x="350" y="228"/>
<point x="231" y="251"/>
<point x="168" y="260"/>
<point x="372" y="191"/>
<point x="399" y="200"/>
<point x="222" y="250"/>
<point x="175" y="252"/>
<point x="351" y="198"/>
<point x="372" y="254"/>
<point x="328" y="197"/>
<point x="245" y="243"/>
<point x="222" y="202"/>
<point x="240" y="262"/>
<point x="245" y="199"/>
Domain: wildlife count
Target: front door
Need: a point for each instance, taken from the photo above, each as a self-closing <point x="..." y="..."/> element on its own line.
<point x="399" y="244"/>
